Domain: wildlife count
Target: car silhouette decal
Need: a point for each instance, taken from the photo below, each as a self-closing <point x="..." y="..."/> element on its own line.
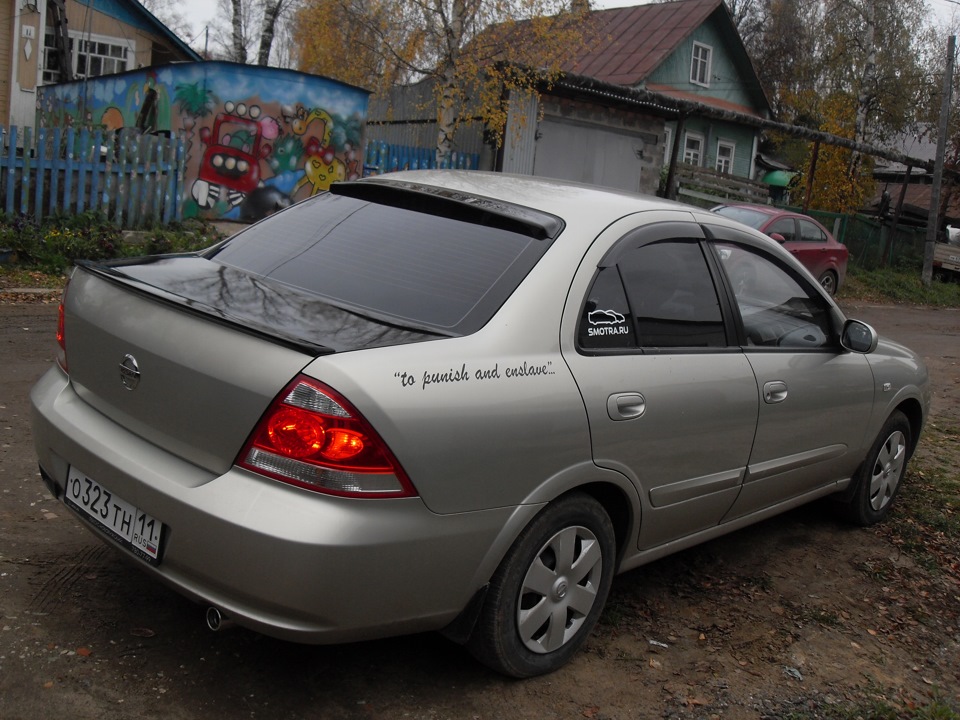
<point x="605" y="317"/>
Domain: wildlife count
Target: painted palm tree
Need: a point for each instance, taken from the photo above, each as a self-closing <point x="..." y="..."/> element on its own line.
<point x="195" y="102"/>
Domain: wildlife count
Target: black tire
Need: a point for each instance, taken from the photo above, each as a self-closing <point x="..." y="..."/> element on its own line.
<point x="534" y="582"/>
<point x="828" y="281"/>
<point x="879" y="478"/>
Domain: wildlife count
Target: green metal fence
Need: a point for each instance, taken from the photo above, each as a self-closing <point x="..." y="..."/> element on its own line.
<point x="868" y="239"/>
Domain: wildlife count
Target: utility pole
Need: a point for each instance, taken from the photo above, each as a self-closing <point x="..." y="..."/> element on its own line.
<point x="933" y="215"/>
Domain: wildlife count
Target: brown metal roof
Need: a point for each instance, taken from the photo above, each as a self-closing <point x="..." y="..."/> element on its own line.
<point x="633" y="41"/>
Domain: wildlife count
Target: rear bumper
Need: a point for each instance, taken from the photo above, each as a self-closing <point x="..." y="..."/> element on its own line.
<point x="277" y="559"/>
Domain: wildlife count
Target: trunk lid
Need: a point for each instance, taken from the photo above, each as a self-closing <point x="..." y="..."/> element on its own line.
<point x="187" y="353"/>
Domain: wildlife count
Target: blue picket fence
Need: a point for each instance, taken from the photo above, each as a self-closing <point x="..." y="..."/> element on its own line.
<point x="134" y="180"/>
<point x="381" y="158"/>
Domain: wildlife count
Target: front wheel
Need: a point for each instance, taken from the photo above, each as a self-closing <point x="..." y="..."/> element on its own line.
<point x="549" y="591"/>
<point x="880" y="476"/>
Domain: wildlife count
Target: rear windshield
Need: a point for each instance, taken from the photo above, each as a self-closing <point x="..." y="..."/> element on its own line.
<point x="410" y="268"/>
<point x="748" y="216"/>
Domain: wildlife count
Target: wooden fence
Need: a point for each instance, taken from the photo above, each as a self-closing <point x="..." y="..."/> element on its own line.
<point x="705" y="187"/>
<point x="134" y="180"/>
<point x="381" y="157"/>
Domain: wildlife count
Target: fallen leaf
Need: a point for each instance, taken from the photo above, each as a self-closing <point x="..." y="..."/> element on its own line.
<point x="84" y="652"/>
<point x="142" y="632"/>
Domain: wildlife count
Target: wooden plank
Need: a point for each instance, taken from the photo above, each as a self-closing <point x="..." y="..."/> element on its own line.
<point x="27" y="173"/>
<point x="96" y="171"/>
<point x="54" y="170"/>
<point x="161" y="164"/>
<point x="68" y="172"/>
<point x="11" y="167"/>
<point x="42" y="139"/>
<point x="132" y="175"/>
<point x="82" y="166"/>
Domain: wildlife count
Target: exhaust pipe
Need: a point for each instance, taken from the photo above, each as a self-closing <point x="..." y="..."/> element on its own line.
<point x="216" y="620"/>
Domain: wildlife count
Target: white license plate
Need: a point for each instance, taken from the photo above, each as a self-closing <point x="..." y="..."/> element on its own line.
<point x="122" y="521"/>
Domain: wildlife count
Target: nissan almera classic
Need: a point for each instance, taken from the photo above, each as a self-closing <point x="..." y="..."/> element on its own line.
<point x="460" y="402"/>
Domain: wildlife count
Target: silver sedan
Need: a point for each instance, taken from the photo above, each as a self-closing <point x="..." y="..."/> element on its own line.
<point x="460" y="402"/>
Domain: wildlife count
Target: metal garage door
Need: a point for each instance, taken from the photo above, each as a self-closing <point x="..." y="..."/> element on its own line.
<point x="588" y="153"/>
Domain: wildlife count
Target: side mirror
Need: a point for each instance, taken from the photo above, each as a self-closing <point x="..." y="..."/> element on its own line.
<point x="778" y="237"/>
<point x="859" y="337"/>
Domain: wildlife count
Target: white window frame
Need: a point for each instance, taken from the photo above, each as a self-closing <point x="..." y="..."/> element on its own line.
<point x="701" y="64"/>
<point x="667" y="145"/>
<point x="693" y="158"/>
<point x="732" y="147"/>
<point x="126" y="61"/>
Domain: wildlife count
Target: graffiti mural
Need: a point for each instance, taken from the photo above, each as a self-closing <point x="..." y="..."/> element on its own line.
<point x="257" y="139"/>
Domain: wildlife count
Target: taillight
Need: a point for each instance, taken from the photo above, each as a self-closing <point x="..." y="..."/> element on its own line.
<point x="61" y="335"/>
<point x="313" y="438"/>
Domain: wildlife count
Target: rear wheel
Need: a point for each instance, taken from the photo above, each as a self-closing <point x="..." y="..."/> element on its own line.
<point x="548" y="592"/>
<point x="880" y="476"/>
<point x="828" y="281"/>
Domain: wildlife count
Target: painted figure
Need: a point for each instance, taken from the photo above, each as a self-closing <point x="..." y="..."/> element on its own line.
<point x="231" y="161"/>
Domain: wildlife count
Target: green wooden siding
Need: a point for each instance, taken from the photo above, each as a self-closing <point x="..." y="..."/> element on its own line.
<point x="726" y="81"/>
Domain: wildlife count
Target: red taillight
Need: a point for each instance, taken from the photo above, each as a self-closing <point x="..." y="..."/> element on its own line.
<point x="61" y="335"/>
<point x="312" y="437"/>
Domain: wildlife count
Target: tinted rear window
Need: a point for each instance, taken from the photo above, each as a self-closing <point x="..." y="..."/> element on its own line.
<point x="412" y="268"/>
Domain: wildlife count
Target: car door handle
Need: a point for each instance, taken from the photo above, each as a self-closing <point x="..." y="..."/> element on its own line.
<point x="626" y="406"/>
<point x="774" y="392"/>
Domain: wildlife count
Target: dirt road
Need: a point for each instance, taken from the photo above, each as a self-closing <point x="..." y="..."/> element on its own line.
<point x="796" y="615"/>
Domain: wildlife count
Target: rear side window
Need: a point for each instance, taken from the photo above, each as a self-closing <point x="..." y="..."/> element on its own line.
<point x="657" y="295"/>
<point x="411" y="268"/>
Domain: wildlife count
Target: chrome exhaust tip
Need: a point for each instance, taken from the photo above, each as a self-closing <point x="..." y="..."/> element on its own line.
<point x="217" y="621"/>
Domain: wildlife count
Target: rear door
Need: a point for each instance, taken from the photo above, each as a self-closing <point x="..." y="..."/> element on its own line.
<point x="671" y="404"/>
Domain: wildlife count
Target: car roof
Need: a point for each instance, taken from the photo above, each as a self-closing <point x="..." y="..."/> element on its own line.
<point x="562" y="198"/>
<point x="765" y="209"/>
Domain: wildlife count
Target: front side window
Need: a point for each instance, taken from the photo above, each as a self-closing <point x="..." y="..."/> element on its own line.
<point x="700" y="65"/>
<point x="693" y="149"/>
<point x="778" y="311"/>
<point x="784" y="227"/>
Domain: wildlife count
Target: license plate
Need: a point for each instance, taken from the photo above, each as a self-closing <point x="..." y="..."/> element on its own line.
<point x="117" y="518"/>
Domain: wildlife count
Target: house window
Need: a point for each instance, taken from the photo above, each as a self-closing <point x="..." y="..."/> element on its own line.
<point x="693" y="149"/>
<point x="725" y="151"/>
<point x="700" y="65"/>
<point x="667" y="145"/>
<point x="91" y="56"/>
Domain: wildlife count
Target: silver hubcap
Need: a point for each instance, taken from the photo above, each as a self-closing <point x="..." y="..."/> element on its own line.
<point x="827" y="282"/>
<point x="559" y="589"/>
<point x="887" y="470"/>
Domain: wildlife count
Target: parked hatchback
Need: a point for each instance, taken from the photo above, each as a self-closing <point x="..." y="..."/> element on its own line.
<point x="809" y="241"/>
<point x="459" y="402"/>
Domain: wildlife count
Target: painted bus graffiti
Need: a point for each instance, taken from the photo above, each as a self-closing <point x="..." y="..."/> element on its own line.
<point x="230" y="167"/>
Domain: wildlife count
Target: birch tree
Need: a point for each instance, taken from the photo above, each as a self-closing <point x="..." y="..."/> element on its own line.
<point x="246" y="29"/>
<point x="473" y="51"/>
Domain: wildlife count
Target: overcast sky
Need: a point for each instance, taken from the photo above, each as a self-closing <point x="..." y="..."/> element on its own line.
<point x="201" y="12"/>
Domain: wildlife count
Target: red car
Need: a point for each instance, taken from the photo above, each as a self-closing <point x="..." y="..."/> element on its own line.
<point x="808" y="240"/>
